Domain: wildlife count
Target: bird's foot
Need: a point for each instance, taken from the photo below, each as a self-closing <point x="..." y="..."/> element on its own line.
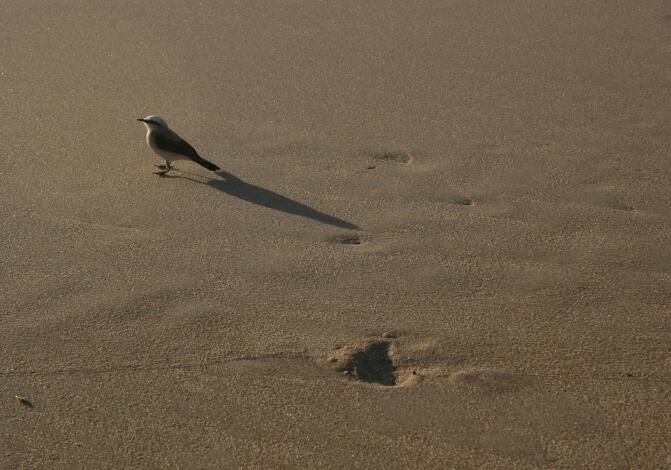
<point x="161" y="173"/>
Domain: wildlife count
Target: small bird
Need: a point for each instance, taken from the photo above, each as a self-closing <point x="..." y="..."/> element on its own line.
<point x="169" y="146"/>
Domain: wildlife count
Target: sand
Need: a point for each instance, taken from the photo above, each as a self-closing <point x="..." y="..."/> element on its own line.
<point x="442" y="237"/>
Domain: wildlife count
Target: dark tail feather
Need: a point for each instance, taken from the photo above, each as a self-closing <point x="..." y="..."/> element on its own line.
<point x="204" y="163"/>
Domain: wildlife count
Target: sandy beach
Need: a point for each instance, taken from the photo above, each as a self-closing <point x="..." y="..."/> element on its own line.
<point x="441" y="237"/>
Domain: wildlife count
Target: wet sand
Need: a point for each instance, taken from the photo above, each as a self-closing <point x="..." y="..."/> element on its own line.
<point x="441" y="237"/>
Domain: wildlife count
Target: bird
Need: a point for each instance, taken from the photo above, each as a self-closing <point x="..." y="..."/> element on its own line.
<point x="169" y="146"/>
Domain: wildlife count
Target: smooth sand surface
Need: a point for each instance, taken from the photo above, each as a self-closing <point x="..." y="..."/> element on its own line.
<point x="442" y="237"/>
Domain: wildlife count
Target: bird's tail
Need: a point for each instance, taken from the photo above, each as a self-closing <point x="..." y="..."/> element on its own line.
<point x="204" y="163"/>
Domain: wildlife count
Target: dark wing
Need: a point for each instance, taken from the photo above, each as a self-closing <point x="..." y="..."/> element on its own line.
<point x="171" y="142"/>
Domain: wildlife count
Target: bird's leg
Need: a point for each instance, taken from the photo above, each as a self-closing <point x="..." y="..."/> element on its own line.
<point x="164" y="169"/>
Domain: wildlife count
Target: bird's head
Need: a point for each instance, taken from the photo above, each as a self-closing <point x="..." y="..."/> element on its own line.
<point x="153" y="122"/>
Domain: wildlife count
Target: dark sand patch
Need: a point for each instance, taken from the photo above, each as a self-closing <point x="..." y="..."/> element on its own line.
<point x="396" y="156"/>
<point x="348" y="239"/>
<point x="372" y="364"/>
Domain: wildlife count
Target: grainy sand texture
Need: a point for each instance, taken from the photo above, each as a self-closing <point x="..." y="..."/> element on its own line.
<point x="441" y="237"/>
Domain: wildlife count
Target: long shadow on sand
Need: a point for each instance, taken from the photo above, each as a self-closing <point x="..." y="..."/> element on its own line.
<point x="236" y="187"/>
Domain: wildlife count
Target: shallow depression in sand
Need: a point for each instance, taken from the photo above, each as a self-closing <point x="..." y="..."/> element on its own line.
<point x="370" y="362"/>
<point x="485" y="379"/>
<point x="348" y="239"/>
<point x="400" y="156"/>
<point x="374" y="362"/>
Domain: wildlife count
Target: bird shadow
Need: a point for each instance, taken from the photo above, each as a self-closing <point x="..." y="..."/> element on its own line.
<point x="236" y="187"/>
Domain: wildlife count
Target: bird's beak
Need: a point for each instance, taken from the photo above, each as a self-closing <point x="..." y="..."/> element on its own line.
<point x="142" y="119"/>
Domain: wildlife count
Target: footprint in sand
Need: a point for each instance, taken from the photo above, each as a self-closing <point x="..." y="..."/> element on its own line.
<point x="372" y="362"/>
<point x="606" y="200"/>
<point x="462" y="201"/>
<point x="377" y="361"/>
<point x="348" y="239"/>
<point x="397" y="156"/>
<point x="369" y="362"/>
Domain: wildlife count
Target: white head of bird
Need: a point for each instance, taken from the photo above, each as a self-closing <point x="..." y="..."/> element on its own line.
<point x="154" y="122"/>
